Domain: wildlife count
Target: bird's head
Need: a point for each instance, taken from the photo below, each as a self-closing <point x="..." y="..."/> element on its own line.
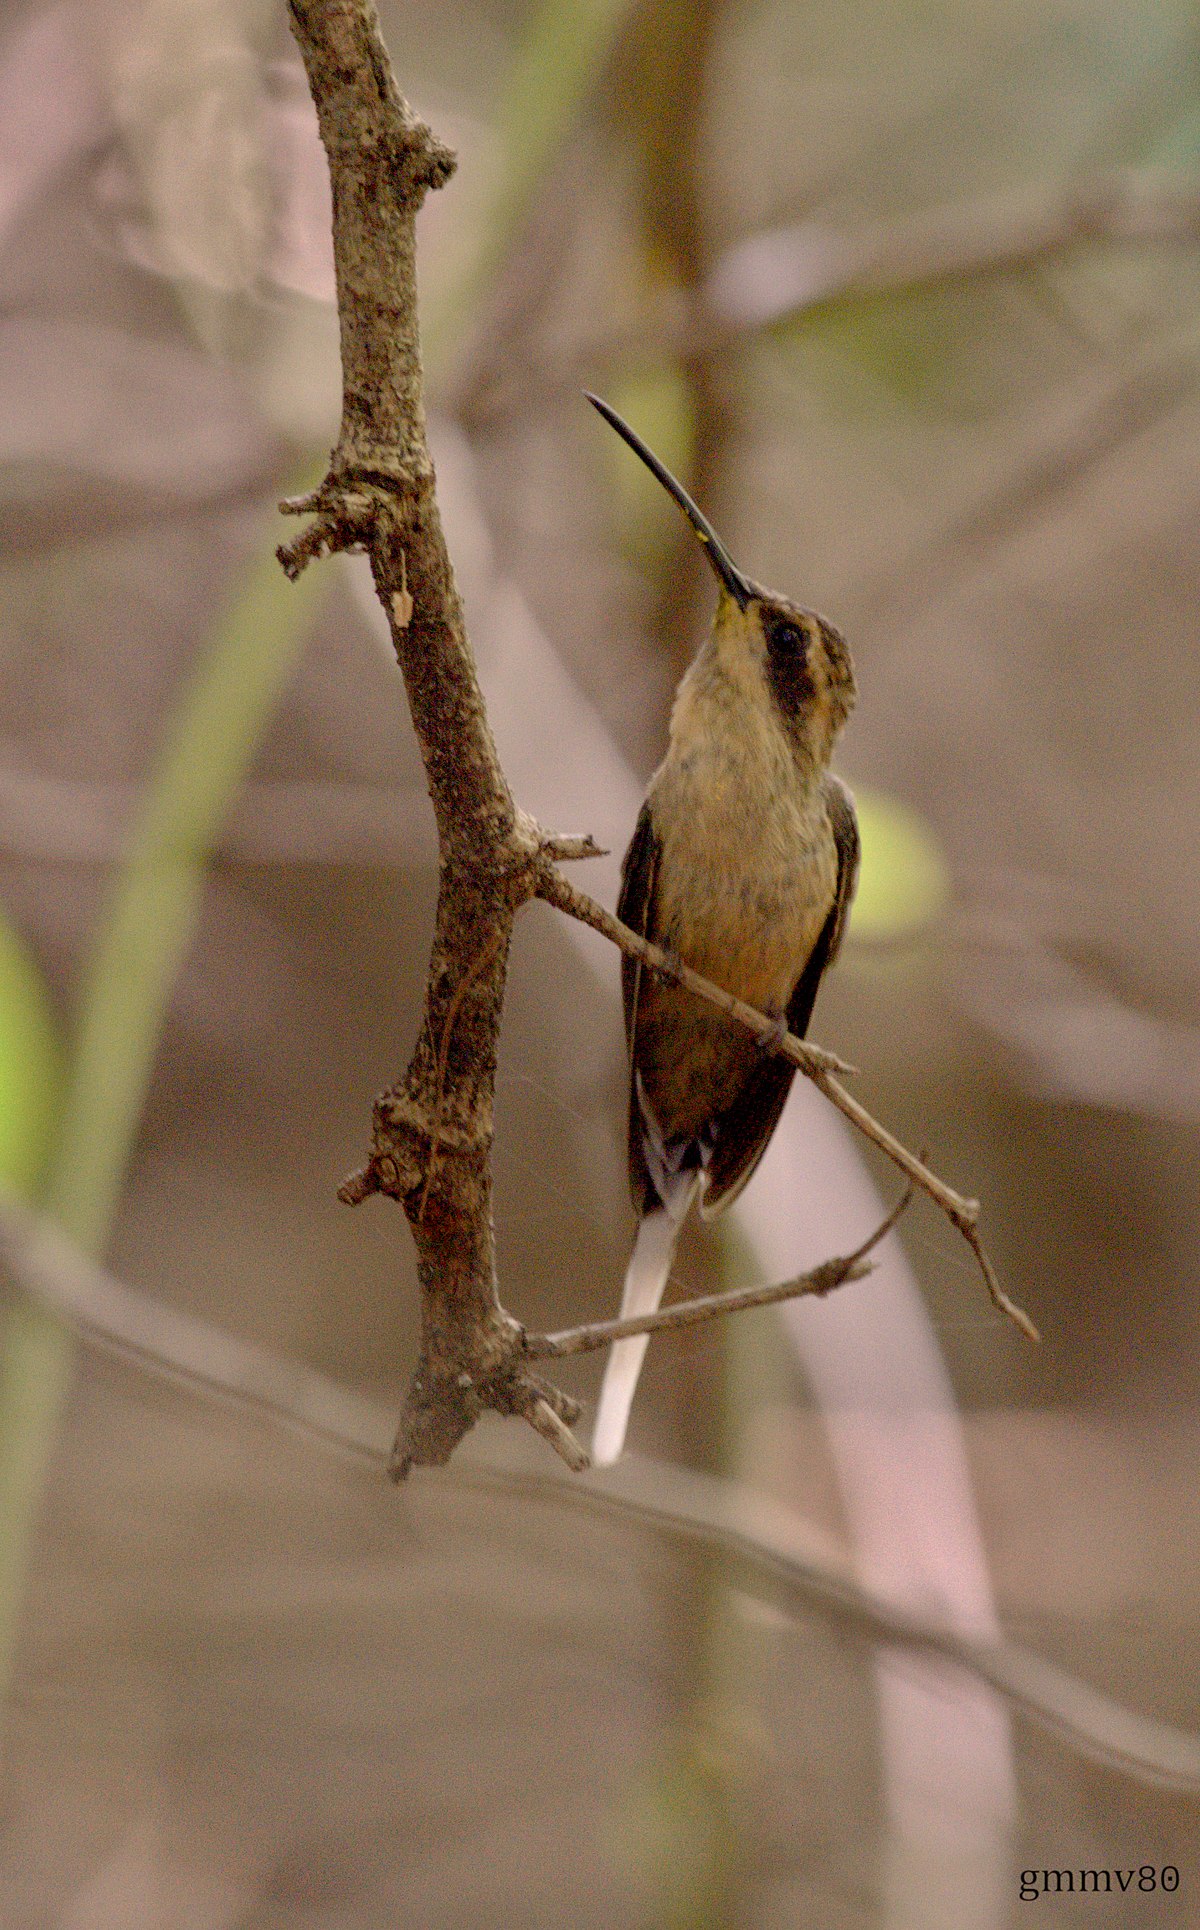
<point x="798" y="658"/>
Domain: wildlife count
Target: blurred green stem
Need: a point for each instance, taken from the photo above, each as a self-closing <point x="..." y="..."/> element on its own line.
<point x="553" y="70"/>
<point x="140" y="948"/>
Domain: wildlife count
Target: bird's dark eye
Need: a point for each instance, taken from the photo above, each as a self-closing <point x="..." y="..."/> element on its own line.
<point x="788" y="668"/>
<point x="786" y="637"/>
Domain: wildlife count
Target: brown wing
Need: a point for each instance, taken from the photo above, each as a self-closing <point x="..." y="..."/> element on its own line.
<point x="635" y="908"/>
<point x="745" y="1129"/>
<point x="839" y="802"/>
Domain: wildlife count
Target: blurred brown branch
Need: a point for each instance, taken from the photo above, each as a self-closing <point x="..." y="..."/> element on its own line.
<point x="784" y="273"/>
<point x="60" y="820"/>
<point x="774" y="277"/>
<point x="772" y="1547"/>
<point x="1070" y="1034"/>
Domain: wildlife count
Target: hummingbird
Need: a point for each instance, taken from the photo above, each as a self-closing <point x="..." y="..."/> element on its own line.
<point x="742" y="864"/>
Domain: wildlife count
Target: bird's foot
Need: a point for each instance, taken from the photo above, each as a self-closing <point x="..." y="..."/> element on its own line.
<point x="770" y="1042"/>
<point x="671" y="969"/>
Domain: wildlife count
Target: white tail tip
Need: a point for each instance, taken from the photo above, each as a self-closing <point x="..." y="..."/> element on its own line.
<point x="645" y="1281"/>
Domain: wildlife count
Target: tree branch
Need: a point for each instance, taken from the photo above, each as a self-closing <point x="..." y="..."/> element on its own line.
<point x="776" y="276"/>
<point x="432" y="1137"/>
<point x="783" y="274"/>
<point x="713" y="1306"/>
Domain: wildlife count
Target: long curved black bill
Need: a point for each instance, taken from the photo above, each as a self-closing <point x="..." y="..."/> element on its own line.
<point x="737" y="585"/>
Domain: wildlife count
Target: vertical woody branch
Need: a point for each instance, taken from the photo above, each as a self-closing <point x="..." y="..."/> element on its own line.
<point x="431" y="1146"/>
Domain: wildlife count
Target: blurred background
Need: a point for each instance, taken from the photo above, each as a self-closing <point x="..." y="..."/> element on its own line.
<point x="909" y="297"/>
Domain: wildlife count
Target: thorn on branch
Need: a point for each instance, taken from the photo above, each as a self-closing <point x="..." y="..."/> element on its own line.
<point x="312" y="543"/>
<point x="359" y="1185"/>
<point x="301" y="505"/>
<point x="345" y="518"/>
<point x="565" y="1406"/>
<point x="563" y="848"/>
<point x="541" y="1416"/>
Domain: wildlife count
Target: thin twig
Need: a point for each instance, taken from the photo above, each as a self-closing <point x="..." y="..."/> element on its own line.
<point x="813" y="1061"/>
<point x="771" y="1544"/>
<point x="711" y="1306"/>
<point x="962" y="1212"/>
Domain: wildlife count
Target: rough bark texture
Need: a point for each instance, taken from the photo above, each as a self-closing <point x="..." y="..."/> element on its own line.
<point x="431" y="1146"/>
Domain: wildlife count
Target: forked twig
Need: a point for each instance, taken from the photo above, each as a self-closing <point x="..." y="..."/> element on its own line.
<point x="960" y="1211"/>
<point x="812" y="1060"/>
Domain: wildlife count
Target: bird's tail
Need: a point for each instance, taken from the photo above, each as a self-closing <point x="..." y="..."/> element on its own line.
<point x="645" y="1280"/>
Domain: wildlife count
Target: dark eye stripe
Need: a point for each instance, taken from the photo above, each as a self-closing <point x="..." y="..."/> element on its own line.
<point x="787" y="666"/>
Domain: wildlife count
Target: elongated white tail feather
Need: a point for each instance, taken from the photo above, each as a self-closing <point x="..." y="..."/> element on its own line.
<point x="645" y="1280"/>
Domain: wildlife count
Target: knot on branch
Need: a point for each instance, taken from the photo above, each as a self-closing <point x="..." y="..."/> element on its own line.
<point x="417" y="162"/>
<point x="344" y="520"/>
<point x="411" y="1140"/>
<point x="355" y="508"/>
<point x="404" y="1122"/>
<point x="564" y="847"/>
<point x="447" y="1395"/>
<point x="359" y="1185"/>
